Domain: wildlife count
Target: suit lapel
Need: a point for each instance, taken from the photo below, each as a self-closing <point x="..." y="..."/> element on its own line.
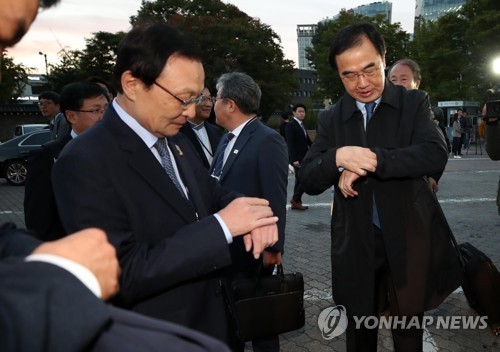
<point x="239" y="145"/>
<point x="144" y="163"/>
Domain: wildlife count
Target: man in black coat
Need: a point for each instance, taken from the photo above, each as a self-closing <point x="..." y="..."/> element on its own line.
<point x="204" y="136"/>
<point x="298" y="143"/>
<point x="390" y="241"/>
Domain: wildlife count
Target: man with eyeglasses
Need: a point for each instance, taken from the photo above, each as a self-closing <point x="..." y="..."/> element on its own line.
<point x="390" y="241"/>
<point x="49" y="103"/>
<point x="137" y="178"/>
<point x="83" y="104"/>
<point x="204" y="135"/>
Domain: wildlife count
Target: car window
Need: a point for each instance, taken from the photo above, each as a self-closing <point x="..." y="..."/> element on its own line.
<point x="18" y="131"/>
<point x="36" y="139"/>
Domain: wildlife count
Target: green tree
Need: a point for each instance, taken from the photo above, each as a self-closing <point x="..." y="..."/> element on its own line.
<point x="97" y="59"/>
<point x="231" y="41"/>
<point x="455" y="52"/>
<point x="397" y="43"/>
<point x="14" y="78"/>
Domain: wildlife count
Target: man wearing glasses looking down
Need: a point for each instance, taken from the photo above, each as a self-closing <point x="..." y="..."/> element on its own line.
<point x="134" y="176"/>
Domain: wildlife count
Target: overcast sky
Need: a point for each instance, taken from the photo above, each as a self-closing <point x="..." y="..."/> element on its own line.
<point x="70" y="22"/>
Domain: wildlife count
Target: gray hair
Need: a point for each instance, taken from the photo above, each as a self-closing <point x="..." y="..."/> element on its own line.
<point x="242" y="89"/>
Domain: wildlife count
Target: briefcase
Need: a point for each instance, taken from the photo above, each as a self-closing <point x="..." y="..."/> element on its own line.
<point x="268" y="305"/>
<point x="481" y="285"/>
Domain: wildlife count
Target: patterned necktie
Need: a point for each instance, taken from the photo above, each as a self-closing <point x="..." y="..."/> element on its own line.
<point x="166" y="161"/>
<point x="369" y="107"/>
<point x="219" y="158"/>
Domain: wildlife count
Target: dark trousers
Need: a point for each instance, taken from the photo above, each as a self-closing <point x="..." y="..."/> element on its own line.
<point x="364" y="339"/>
<point x="298" y="191"/>
<point x="456" y="149"/>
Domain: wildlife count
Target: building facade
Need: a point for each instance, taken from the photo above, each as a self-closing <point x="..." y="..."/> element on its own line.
<point x="375" y="8"/>
<point x="431" y="10"/>
<point x="305" y="34"/>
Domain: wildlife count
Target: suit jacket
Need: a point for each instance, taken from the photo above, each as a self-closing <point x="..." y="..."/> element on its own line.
<point x="40" y="209"/>
<point x="169" y="254"/>
<point x="257" y="166"/>
<point x="45" y="308"/>
<point x="59" y="127"/>
<point x="408" y="144"/>
<point x="297" y="143"/>
<point x="214" y="135"/>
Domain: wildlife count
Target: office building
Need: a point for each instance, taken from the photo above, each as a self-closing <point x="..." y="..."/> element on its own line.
<point x="375" y="8"/>
<point x="431" y="10"/>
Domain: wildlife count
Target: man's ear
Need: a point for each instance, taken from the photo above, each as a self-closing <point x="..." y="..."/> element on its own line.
<point x="70" y="116"/>
<point x="130" y="85"/>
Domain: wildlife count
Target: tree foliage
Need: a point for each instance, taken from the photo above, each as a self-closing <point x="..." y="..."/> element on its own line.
<point x="455" y="52"/>
<point x="230" y="41"/>
<point x="14" y="78"/>
<point x="97" y="59"/>
<point x="397" y="43"/>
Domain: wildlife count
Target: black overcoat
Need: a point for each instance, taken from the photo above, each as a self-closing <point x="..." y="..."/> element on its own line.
<point x="408" y="145"/>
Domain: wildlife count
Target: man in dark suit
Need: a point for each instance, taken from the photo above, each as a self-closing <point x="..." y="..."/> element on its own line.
<point x="133" y="175"/>
<point x="204" y="136"/>
<point x="83" y="104"/>
<point x="390" y="240"/>
<point x="256" y="164"/>
<point x="49" y="301"/>
<point x="298" y="143"/>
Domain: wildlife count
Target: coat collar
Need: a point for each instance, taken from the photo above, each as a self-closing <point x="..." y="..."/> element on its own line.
<point x="390" y="96"/>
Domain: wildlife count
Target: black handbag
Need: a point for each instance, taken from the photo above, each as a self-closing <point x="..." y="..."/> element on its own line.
<point x="268" y="305"/>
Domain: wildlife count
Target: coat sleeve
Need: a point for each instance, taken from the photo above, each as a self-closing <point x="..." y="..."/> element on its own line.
<point x="318" y="171"/>
<point x="45" y="308"/>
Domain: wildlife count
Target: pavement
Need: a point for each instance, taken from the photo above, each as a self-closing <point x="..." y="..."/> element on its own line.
<point x="467" y="195"/>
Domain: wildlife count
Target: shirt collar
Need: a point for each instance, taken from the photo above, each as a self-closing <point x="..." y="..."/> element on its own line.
<point x="148" y="138"/>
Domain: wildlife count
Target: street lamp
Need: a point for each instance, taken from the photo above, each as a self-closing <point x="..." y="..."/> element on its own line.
<point x="46" y="65"/>
<point x="496" y="66"/>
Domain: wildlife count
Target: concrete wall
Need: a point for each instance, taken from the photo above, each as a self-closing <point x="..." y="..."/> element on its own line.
<point x="8" y="123"/>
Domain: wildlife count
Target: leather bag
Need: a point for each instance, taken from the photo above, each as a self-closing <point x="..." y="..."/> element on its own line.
<point x="268" y="305"/>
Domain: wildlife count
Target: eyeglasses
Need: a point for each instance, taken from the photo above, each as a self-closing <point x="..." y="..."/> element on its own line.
<point x="367" y="72"/>
<point x="185" y="103"/>
<point x="94" y="112"/>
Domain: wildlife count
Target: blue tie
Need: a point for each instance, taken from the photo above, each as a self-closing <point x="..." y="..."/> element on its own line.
<point x="219" y="158"/>
<point x="166" y="161"/>
<point x="369" y="107"/>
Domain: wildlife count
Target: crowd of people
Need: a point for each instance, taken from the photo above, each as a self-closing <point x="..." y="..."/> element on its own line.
<point x="140" y="212"/>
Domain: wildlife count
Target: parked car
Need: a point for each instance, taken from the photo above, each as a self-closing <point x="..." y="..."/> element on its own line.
<point x="28" y="128"/>
<point x="13" y="155"/>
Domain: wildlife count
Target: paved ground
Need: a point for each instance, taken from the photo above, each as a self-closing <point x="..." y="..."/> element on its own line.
<point x="467" y="192"/>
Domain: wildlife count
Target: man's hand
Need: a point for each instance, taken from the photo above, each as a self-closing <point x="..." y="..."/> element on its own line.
<point x="432" y="184"/>
<point x="245" y="214"/>
<point x="346" y="183"/>
<point x="271" y="258"/>
<point x="261" y="238"/>
<point x="90" y="248"/>
<point x="356" y="159"/>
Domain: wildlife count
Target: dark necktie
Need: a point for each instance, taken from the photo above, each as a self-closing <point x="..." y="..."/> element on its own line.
<point x="166" y="161"/>
<point x="219" y="157"/>
<point x="369" y="107"/>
